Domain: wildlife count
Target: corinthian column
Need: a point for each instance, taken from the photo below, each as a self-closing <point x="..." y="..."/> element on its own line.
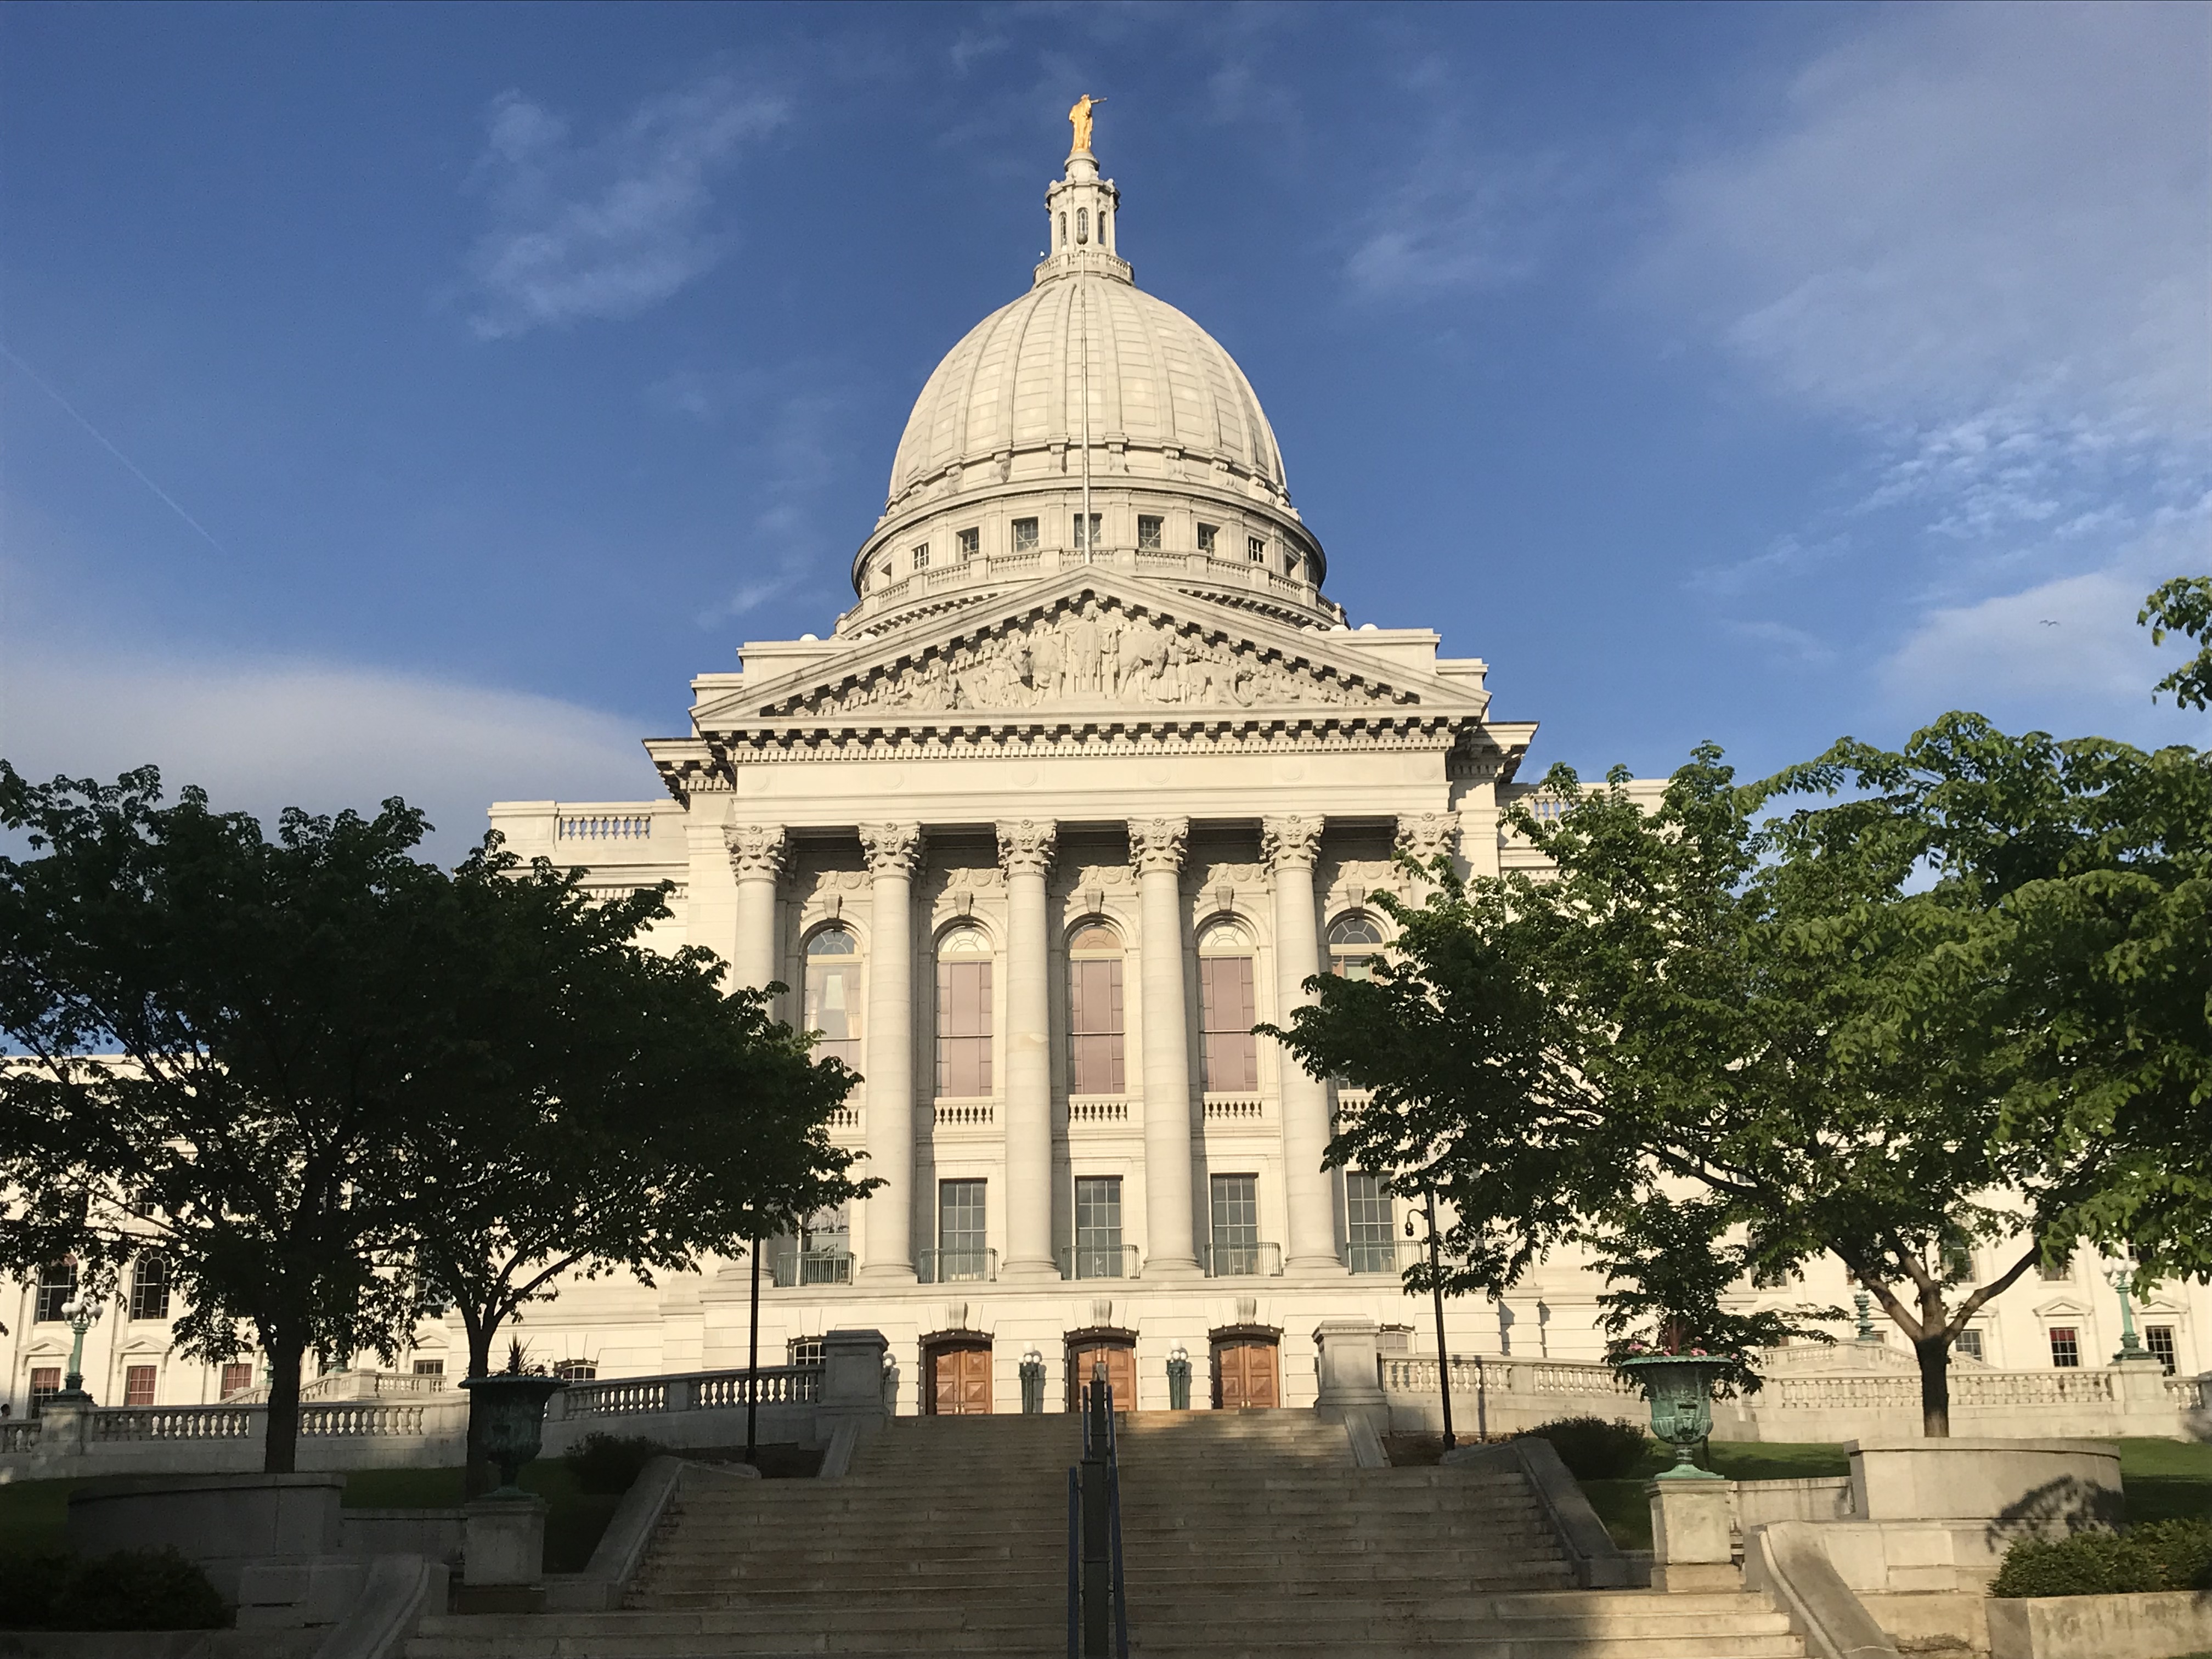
<point x="756" y="857"/>
<point x="1156" y="847"/>
<point x="1290" y="845"/>
<point x="1025" y="852"/>
<point x="893" y="850"/>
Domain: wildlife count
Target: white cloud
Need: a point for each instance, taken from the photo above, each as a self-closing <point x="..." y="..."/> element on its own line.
<point x="608" y="227"/>
<point x="263" y="736"/>
<point x="1794" y="645"/>
<point x="1463" y="220"/>
<point x="2066" y="655"/>
<point x="1980" y="229"/>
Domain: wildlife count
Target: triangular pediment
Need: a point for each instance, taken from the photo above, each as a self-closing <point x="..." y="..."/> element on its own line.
<point x="1087" y="645"/>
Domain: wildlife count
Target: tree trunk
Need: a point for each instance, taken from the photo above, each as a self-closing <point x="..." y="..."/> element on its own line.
<point x="478" y="1477"/>
<point x="280" y="1452"/>
<point x="1934" y="1353"/>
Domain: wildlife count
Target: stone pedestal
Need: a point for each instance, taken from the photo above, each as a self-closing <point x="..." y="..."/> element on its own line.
<point x="852" y="1383"/>
<point x="1350" y="1373"/>
<point x="1692" y="1549"/>
<point x="504" y="1543"/>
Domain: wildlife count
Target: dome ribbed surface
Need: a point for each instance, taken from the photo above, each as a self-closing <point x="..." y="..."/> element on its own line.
<point x="1157" y="379"/>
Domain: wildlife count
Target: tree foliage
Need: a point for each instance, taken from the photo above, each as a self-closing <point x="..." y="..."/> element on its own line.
<point x="2184" y="606"/>
<point x="335" y="1085"/>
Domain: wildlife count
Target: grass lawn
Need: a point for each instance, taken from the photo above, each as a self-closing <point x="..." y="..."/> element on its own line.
<point x="2163" y="1480"/>
<point x="33" y="1513"/>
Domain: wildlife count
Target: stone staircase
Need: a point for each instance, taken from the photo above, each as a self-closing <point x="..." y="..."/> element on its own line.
<point x="1251" y="1534"/>
<point x="1245" y="1533"/>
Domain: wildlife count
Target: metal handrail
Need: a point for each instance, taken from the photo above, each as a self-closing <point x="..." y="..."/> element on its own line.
<point x="1094" y="1508"/>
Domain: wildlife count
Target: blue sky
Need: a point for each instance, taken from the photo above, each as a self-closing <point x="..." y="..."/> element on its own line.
<point x="410" y="399"/>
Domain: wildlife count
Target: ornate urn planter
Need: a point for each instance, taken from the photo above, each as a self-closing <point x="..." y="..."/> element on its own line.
<point x="510" y="1409"/>
<point x="1680" y="1390"/>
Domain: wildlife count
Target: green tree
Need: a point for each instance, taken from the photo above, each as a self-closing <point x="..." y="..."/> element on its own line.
<point x="2184" y="606"/>
<point x="1690" y="999"/>
<point x="218" y="1038"/>
<point x="632" y="1117"/>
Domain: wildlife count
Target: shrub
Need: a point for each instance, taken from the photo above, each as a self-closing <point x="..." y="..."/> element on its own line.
<point x="609" y="1464"/>
<point x="130" y="1589"/>
<point x="2161" y="1555"/>
<point x="1592" y="1449"/>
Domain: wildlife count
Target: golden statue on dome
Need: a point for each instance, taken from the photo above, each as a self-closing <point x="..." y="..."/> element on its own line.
<point x="1080" y="119"/>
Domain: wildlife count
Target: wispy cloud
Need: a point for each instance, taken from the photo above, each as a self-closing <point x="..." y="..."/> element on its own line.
<point x="261" y="736"/>
<point x="1977" y="235"/>
<point x="1788" y="555"/>
<point x="609" y="226"/>
<point x="1980" y="230"/>
<point x="1464" y="219"/>
<point x="1793" y="645"/>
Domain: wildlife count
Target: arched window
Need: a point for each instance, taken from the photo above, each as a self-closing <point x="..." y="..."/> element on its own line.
<point x="963" y="1013"/>
<point x="1105" y="230"/>
<point x="1230" y="1056"/>
<point x="1063" y="230"/>
<point x="1094" y="1011"/>
<point x="833" y="992"/>
<point x="1353" y="943"/>
<point x="149" y="1286"/>
<point x="1083" y="224"/>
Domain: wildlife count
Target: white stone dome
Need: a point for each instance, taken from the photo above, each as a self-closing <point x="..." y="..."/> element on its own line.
<point x="1156" y="379"/>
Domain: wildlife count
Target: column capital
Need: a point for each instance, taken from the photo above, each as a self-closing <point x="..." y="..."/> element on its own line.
<point x="893" y="849"/>
<point x="1294" y="838"/>
<point x="1026" y="845"/>
<point x="756" y="850"/>
<point x="1422" y="836"/>
<point x="1157" y="843"/>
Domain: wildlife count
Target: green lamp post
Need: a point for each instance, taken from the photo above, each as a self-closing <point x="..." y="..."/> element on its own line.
<point x="83" y="1312"/>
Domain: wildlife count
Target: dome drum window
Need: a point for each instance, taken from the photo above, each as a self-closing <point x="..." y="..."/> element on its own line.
<point x="922" y="556"/>
<point x="1091" y="539"/>
<point x="1083" y="224"/>
<point x="1205" y="535"/>
<point x="1025" y="535"/>
<point x="1255" y="550"/>
<point x="1148" y="532"/>
<point x="969" y="542"/>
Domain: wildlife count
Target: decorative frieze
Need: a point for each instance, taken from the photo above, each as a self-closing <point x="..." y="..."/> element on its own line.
<point x="1088" y="652"/>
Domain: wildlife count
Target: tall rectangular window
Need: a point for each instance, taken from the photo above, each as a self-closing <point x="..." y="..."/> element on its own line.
<point x="1025" y="535"/>
<point x="961" y="1236"/>
<point x="1235" y="1224"/>
<point x="1205" y="534"/>
<point x="1370" y="1239"/>
<point x="46" y="1383"/>
<point x="1094" y="1025"/>
<point x="149" y="1286"/>
<point x="1098" y="1227"/>
<point x="833" y="992"/>
<point x="2056" y="1272"/>
<point x="963" y="1028"/>
<point x="1255" y="550"/>
<point x="922" y="556"/>
<point x="2158" y="1338"/>
<point x="138" y="1385"/>
<point x="1091" y="539"/>
<point x="1969" y="1343"/>
<point x="1226" y="1016"/>
<point x="237" y="1377"/>
<point x="57" y="1285"/>
<point x="970" y="542"/>
<point x="1148" y="531"/>
<point x="1290" y="564"/>
<point x="2065" y="1346"/>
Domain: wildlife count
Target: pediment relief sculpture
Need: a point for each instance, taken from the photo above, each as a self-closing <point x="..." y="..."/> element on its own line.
<point x="1084" y="654"/>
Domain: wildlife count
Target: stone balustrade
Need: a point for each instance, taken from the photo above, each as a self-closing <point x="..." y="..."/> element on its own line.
<point x="1502" y="1395"/>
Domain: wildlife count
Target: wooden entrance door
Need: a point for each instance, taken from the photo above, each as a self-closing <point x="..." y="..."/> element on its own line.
<point x="1121" y="1372"/>
<point x="960" y="1380"/>
<point x="1244" y="1375"/>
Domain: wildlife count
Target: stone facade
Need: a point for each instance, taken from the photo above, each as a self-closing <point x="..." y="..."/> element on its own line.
<point x="1091" y="750"/>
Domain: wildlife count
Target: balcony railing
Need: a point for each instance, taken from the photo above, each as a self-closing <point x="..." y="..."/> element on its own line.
<point x="812" y="1268"/>
<point x="1384" y="1255"/>
<point x="957" y="1266"/>
<point x="1244" y="1261"/>
<point x="1097" y="1261"/>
